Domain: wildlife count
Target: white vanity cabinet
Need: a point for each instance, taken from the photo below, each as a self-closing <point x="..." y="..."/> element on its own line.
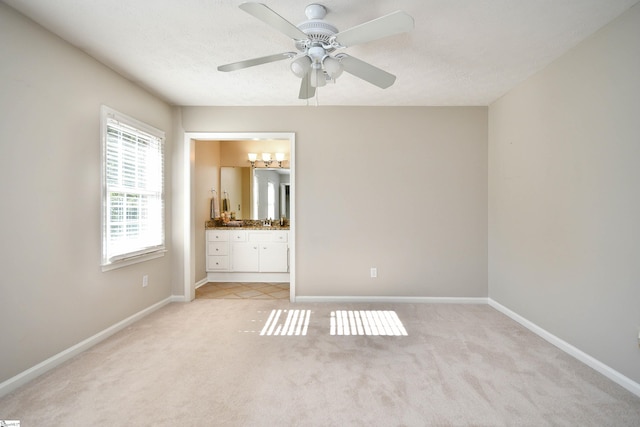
<point x="247" y="254"/>
<point x="260" y="251"/>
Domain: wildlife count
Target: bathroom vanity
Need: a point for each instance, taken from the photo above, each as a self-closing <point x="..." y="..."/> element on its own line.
<point x="247" y="254"/>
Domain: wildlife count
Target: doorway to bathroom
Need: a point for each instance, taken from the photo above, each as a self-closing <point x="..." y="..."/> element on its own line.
<point x="202" y="185"/>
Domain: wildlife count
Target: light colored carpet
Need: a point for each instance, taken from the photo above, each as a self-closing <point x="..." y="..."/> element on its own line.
<point x="206" y="364"/>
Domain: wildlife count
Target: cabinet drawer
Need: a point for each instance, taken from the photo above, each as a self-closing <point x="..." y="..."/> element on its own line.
<point x="268" y="236"/>
<point x="238" y="236"/>
<point x="217" y="248"/>
<point x="217" y="236"/>
<point x="260" y="236"/>
<point x="281" y="236"/>
<point x="217" y="262"/>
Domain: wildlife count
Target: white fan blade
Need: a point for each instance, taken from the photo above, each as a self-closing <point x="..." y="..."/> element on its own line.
<point x="367" y="72"/>
<point x="306" y="90"/>
<point x="256" y="61"/>
<point x="388" y="25"/>
<point x="268" y="16"/>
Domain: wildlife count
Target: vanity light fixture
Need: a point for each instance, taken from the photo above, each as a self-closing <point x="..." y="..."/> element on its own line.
<point x="266" y="159"/>
<point x="252" y="158"/>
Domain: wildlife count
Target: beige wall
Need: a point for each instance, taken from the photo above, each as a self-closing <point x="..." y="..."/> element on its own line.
<point x="564" y="197"/>
<point x="52" y="290"/>
<point x="400" y="189"/>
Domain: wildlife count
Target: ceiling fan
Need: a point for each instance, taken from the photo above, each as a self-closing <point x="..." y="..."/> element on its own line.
<point x="316" y="40"/>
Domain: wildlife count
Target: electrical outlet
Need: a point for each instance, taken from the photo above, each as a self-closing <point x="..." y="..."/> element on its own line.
<point x="145" y="281"/>
<point x="374" y="272"/>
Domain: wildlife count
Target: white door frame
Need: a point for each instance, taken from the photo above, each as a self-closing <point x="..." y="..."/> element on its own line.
<point x="189" y="204"/>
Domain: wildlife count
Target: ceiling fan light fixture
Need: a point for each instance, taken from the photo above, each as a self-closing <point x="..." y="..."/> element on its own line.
<point x="333" y="67"/>
<point x="301" y="66"/>
<point x="316" y="39"/>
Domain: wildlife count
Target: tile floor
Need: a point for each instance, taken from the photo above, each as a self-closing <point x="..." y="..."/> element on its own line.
<point x="243" y="291"/>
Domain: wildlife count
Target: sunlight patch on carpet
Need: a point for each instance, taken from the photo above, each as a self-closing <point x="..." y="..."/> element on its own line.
<point x="296" y="322"/>
<point x="366" y="322"/>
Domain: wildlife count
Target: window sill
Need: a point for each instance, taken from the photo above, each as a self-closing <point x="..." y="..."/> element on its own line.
<point x="135" y="260"/>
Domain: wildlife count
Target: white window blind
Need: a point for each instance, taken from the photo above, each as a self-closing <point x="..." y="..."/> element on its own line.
<point x="133" y="188"/>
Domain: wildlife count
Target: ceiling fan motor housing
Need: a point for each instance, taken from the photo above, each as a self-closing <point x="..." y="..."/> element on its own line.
<point x="320" y="42"/>
<point x="318" y="31"/>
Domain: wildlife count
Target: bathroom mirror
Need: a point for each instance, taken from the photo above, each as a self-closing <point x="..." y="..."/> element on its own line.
<point x="256" y="193"/>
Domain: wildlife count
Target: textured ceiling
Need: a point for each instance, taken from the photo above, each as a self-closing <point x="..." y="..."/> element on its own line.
<point x="461" y="52"/>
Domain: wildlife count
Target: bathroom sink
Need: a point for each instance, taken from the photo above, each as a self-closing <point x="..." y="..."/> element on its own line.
<point x="234" y="224"/>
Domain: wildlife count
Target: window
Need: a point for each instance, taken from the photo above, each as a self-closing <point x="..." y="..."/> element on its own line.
<point x="133" y="190"/>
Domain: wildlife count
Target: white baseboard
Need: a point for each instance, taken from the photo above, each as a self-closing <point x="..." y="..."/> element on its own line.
<point x="605" y="370"/>
<point x="55" y="360"/>
<point x="201" y="282"/>
<point x="390" y="299"/>
<point x="230" y="276"/>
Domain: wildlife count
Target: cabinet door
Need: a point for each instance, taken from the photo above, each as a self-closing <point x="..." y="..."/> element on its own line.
<point x="244" y="256"/>
<point x="274" y="258"/>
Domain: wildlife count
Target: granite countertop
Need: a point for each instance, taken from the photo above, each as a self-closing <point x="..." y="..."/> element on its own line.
<point x="245" y="224"/>
<point x="256" y="227"/>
